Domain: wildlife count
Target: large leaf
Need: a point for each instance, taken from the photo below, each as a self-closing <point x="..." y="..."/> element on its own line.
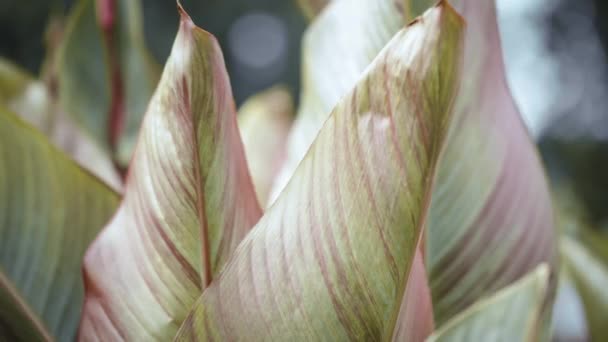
<point x="264" y="121"/>
<point x="50" y="210"/>
<point x="516" y="313"/>
<point x="188" y="202"/>
<point x="591" y="278"/>
<point x="337" y="48"/>
<point x="32" y="101"/>
<point x="331" y="258"/>
<point x="490" y="220"/>
<point x="106" y="75"/>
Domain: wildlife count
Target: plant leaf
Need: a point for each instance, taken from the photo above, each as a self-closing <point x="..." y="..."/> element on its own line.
<point x="332" y="62"/>
<point x="591" y="278"/>
<point x="106" y="76"/>
<point x="31" y="100"/>
<point x="312" y="7"/>
<point x="331" y="258"/>
<point x="50" y="210"/>
<point x="264" y="121"/>
<point x="515" y="313"/>
<point x="188" y="202"/>
<point x="490" y="220"/>
<point x="415" y="321"/>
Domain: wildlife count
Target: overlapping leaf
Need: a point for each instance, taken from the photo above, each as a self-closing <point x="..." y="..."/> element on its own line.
<point x="264" y="121"/>
<point x="591" y="278"/>
<point x="106" y="76"/>
<point x="32" y="101"/>
<point x="415" y="321"/>
<point x="50" y="210"/>
<point x="516" y="313"/>
<point x="337" y="48"/>
<point x="490" y="220"/>
<point x="331" y="258"/>
<point x="188" y="202"/>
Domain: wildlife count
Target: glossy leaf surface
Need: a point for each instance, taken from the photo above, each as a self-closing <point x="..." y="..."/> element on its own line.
<point x="331" y="258"/>
<point x="50" y="210"/>
<point x="188" y="202"/>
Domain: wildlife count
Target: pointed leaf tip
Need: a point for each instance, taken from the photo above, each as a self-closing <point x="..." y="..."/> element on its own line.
<point x="188" y="202"/>
<point x="344" y="231"/>
<point x="184" y="16"/>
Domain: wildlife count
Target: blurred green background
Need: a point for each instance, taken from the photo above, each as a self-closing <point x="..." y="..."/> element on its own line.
<point x="260" y="38"/>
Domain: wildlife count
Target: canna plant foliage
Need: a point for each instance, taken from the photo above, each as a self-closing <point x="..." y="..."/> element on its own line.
<point x="405" y="202"/>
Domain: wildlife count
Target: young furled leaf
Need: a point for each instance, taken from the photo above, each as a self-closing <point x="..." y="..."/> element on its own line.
<point x="264" y="121"/>
<point x="490" y="220"/>
<point x="188" y="202"/>
<point x="331" y="258"/>
<point x="515" y="313"/>
<point x="50" y="210"/>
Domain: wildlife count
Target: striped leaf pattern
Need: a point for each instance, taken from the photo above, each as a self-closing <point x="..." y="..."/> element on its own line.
<point x="337" y="48"/>
<point x="331" y="258"/>
<point x="50" y="210"/>
<point x="188" y="202"/>
<point x="515" y="313"/>
<point x="490" y="220"/>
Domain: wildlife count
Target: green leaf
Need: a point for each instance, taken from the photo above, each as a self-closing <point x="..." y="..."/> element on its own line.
<point x="13" y="80"/>
<point x="591" y="278"/>
<point x="32" y="101"/>
<point x="138" y="70"/>
<point x="50" y="210"/>
<point x="188" y="202"/>
<point x="264" y="121"/>
<point x="331" y="258"/>
<point x="337" y="47"/>
<point x="515" y="313"/>
<point x="83" y="76"/>
<point x="491" y="219"/>
<point x="106" y="75"/>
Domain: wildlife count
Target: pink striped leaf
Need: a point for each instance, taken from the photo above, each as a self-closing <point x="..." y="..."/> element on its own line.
<point x="332" y="257"/>
<point x="519" y="312"/>
<point x="188" y="202"/>
<point x="491" y="188"/>
<point x="337" y="47"/>
<point x="490" y="220"/>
